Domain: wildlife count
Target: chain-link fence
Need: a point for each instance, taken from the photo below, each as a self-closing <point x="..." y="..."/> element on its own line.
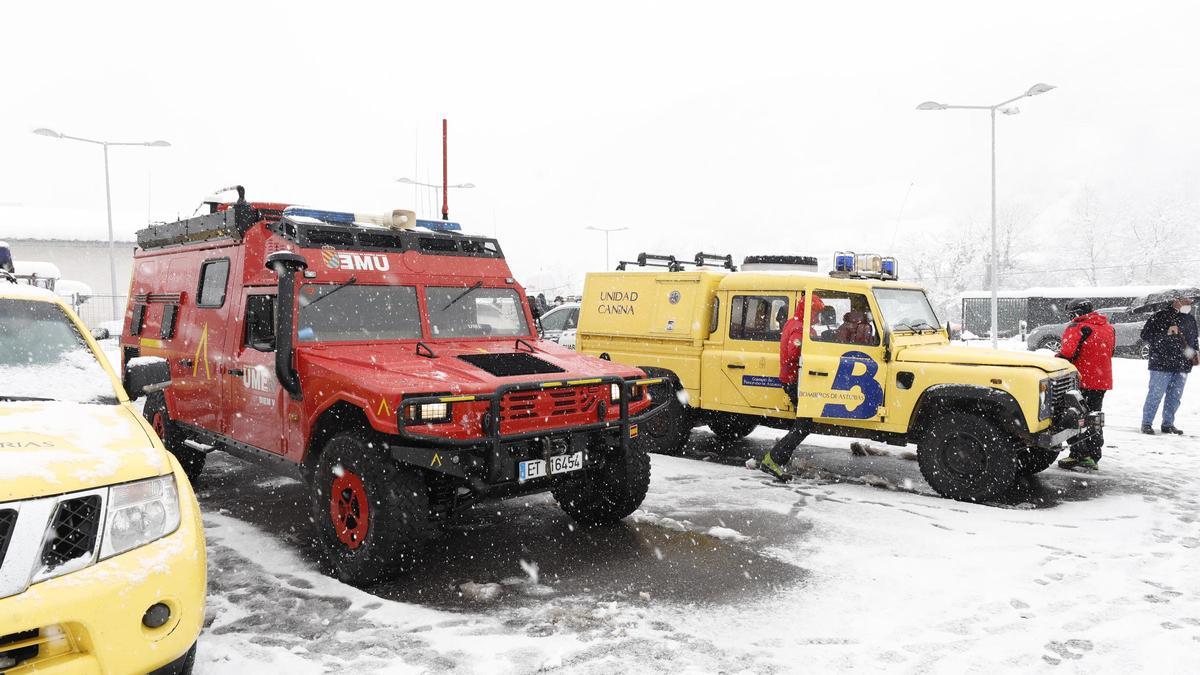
<point x="97" y="310"/>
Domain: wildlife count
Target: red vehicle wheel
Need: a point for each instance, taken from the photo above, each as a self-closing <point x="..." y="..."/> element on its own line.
<point x="348" y="506"/>
<point x="159" y="422"/>
<point x="159" y="417"/>
<point x="371" y="513"/>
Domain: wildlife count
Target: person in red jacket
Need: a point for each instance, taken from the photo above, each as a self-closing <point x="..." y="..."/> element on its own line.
<point x="790" y="340"/>
<point x="1088" y="342"/>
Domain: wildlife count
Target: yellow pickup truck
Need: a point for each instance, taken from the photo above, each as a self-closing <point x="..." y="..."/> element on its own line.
<point x="102" y="562"/>
<point x="876" y="365"/>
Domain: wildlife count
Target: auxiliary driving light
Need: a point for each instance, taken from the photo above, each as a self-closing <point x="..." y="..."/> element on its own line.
<point x="429" y="413"/>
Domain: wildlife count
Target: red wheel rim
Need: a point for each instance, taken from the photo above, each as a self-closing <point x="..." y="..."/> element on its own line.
<point x="348" y="508"/>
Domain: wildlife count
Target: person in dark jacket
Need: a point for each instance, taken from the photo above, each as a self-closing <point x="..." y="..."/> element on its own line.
<point x="1088" y="343"/>
<point x="791" y="338"/>
<point x="1171" y="334"/>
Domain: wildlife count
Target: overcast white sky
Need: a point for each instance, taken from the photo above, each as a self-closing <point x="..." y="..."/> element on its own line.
<point x="744" y="127"/>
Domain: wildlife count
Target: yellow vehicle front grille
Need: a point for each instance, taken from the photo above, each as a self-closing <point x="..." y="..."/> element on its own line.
<point x="30" y="649"/>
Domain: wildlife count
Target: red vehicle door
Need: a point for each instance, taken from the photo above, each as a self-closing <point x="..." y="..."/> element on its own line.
<point x="196" y="387"/>
<point x="254" y="400"/>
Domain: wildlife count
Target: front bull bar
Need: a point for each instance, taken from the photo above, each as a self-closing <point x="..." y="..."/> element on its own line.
<point x="491" y="422"/>
<point x="1075" y="420"/>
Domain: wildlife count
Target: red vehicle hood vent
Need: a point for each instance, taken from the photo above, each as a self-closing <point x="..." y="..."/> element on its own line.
<point x="509" y="365"/>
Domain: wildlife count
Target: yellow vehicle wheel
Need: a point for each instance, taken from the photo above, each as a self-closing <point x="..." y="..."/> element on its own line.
<point x="967" y="457"/>
<point x="668" y="432"/>
<point x="731" y="427"/>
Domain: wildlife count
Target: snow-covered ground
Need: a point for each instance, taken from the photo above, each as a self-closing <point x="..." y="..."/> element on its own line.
<point x="855" y="566"/>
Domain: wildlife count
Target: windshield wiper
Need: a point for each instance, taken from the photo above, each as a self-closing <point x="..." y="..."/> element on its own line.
<point x="926" y="324"/>
<point x="23" y="398"/>
<point x="904" y="326"/>
<point x="349" y="282"/>
<point x="462" y="295"/>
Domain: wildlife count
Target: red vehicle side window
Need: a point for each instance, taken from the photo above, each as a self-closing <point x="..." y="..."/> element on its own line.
<point x="213" y="277"/>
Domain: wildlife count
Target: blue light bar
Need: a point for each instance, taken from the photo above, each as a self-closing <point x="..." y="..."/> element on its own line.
<point x="439" y="225"/>
<point x="325" y="216"/>
<point x="843" y="261"/>
<point x="889" y="268"/>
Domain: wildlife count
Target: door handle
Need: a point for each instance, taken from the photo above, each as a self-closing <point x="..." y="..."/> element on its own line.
<point x="186" y="363"/>
<point x="236" y="372"/>
<point x="736" y="366"/>
<point x="818" y="374"/>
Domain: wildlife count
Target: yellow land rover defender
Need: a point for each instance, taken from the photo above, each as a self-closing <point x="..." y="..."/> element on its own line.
<point x="875" y="364"/>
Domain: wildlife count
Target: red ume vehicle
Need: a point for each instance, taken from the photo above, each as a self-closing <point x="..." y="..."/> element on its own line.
<point x="394" y="364"/>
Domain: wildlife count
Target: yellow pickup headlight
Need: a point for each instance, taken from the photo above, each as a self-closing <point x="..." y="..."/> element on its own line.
<point x="139" y="513"/>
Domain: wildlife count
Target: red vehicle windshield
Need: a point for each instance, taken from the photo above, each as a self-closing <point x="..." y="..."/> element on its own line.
<point x="474" y="312"/>
<point x="346" y="313"/>
<point x="361" y="312"/>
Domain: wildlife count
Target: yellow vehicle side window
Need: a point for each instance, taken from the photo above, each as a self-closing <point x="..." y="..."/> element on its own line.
<point x="846" y="319"/>
<point x="757" y="317"/>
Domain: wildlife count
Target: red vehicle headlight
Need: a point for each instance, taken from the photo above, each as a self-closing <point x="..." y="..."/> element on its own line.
<point x="428" y="413"/>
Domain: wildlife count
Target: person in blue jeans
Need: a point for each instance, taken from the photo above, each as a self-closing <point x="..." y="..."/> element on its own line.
<point x="1171" y="334"/>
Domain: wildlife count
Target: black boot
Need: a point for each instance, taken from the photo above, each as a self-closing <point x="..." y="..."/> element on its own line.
<point x="1171" y="429"/>
<point x="1147" y="429"/>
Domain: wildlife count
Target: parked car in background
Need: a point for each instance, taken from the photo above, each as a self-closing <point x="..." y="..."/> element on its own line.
<point x="1128" y="327"/>
<point x="102" y="559"/>
<point x="559" y="324"/>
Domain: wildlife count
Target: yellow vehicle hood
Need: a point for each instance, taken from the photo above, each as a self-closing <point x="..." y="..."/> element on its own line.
<point x="978" y="357"/>
<point x="49" y="448"/>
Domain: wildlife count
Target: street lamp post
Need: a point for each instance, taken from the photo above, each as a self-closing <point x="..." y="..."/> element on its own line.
<point x="607" y="231"/>
<point x="933" y="105"/>
<point x="460" y="186"/>
<point x="112" y="256"/>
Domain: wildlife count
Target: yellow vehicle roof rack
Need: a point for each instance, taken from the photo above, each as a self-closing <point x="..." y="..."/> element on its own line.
<point x="674" y="264"/>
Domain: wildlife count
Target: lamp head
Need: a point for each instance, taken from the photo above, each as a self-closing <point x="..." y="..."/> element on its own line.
<point x="931" y="105"/>
<point x="1039" y="88"/>
<point x="158" y="144"/>
<point x="1011" y="111"/>
<point x="47" y="132"/>
<point x="404" y="180"/>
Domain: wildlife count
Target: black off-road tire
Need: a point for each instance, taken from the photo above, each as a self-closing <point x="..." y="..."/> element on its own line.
<point x="156" y="413"/>
<point x="607" y="493"/>
<point x="731" y="427"/>
<point x="967" y="457"/>
<point x="371" y="513"/>
<point x="1035" y="460"/>
<point x="669" y="430"/>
